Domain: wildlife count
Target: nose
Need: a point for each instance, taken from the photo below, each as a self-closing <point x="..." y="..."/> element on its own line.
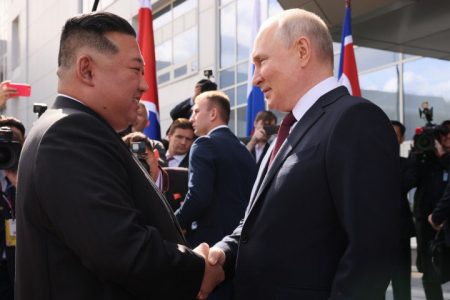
<point x="143" y="85"/>
<point x="257" y="79"/>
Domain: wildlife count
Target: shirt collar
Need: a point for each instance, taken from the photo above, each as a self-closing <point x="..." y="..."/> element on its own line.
<point x="216" y="128"/>
<point x="308" y="99"/>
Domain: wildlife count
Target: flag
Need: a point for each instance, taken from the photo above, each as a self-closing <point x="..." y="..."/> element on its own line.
<point x="255" y="97"/>
<point x="348" y="73"/>
<point x="147" y="45"/>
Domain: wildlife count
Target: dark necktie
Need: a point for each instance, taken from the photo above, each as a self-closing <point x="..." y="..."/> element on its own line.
<point x="283" y="132"/>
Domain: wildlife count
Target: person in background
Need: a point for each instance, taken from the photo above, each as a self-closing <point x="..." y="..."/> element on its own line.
<point x="221" y="175"/>
<point x="13" y="127"/>
<point x="259" y="142"/>
<point x="401" y="276"/>
<point x="180" y="136"/>
<point x="184" y="108"/>
<point x="5" y="93"/>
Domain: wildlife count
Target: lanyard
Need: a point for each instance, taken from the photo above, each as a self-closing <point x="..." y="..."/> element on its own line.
<point x="9" y="202"/>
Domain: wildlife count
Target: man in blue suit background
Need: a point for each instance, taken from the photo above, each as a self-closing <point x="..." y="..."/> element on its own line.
<point x="221" y="176"/>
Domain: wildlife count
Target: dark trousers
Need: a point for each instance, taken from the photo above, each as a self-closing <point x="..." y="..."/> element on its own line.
<point x="6" y="284"/>
<point x="431" y="283"/>
<point x="401" y="276"/>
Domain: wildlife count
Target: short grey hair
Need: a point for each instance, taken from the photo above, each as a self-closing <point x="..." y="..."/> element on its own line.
<point x="293" y="23"/>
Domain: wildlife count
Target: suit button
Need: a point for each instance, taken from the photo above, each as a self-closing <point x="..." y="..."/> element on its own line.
<point x="244" y="239"/>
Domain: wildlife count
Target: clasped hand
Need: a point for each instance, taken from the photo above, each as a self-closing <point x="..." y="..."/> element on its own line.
<point x="214" y="274"/>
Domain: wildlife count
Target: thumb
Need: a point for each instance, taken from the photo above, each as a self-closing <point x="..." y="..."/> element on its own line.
<point x="215" y="256"/>
<point x="202" y="249"/>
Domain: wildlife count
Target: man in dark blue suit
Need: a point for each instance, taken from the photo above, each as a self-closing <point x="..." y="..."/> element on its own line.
<point x="221" y="175"/>
<point x="322" y="221"/>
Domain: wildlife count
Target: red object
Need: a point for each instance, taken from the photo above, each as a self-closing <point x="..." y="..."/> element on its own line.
<point x="176" y="196"/>
<point x="147" y="45"/>
<point x="23" y="89"/>
<point x="419" y="130"/>
<point x="283" y="132"/>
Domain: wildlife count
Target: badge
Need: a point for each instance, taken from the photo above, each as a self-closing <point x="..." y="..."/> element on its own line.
<point x="10" y="230"/>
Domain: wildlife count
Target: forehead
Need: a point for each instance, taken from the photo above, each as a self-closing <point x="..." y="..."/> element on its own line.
<point x="183" y="132"/>
<point x="262" y="44"/>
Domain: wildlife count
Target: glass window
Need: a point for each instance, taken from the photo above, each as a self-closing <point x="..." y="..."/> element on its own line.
<point x="241" y="94"/>
<point x="230" y="94"/>
<point x="180" y="71"/>
<point x="185" y="46"/>
<point x="368" y="58"/>
<point x="426" y="79"/>
<point x="226" y="77"/>
<point x="163" y="55"/>
<point x="242" y="70"/>
<point x="241" y="114"/>
<point x="381" y="87"/>
<point x="232" y="121"/>
<point x="245" y="8"/>
<point x="180" y="7"/>
<point x="227" y="36"/>
<point x="163" y="78"/>
<point x="162" y="17"/>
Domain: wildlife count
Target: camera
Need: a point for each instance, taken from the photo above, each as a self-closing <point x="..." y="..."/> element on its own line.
<point x="271" y="129"/>
<point x="208" y="73"/>
<point x="139" y="150"/>
<point x="39" y="108"/>
<point x="425" y="136"/>
<point x="9" y="149"/>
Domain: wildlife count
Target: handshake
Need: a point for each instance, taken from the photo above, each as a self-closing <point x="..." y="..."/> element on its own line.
<point x="214" y="273"/>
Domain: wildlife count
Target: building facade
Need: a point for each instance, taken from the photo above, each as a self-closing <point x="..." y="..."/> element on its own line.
<point x="192" y="36"/>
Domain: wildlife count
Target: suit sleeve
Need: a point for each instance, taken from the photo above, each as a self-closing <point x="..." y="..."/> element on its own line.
<point x="201" y="182"/>
<point x="442" y="211"/>
<point x="182" y="110"/>
<point x="363" y="171"/>
<point x="85" y="193"/>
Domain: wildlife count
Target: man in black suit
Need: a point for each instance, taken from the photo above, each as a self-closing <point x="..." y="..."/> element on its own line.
<point x="221" y="175"/>
<point x="322" y="218"/>
<point x="184" y="108"/>
<point x="12" y="138"/>
<point x="401" y="276"/>
<point x="91" y="223"/>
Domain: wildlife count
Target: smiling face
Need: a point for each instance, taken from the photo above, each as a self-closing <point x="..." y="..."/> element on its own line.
<point x="277" y="69"/>
<point x="119" y="81"/>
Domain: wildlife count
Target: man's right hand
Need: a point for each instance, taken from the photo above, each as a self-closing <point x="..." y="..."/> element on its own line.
<point x="214" y="273"/>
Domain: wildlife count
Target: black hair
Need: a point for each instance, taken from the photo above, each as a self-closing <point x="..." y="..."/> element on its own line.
<point x="89" y="30"/>
<point x="13" y="122"/>
<point x="207" y="85"/>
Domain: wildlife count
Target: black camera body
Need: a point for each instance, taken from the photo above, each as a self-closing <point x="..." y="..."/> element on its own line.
<point x="9" y="149"/>
<point x="139" y="150"/>
<point x="425" y="137"/>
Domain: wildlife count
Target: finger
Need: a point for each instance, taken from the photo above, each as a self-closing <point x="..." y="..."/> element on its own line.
<point x="202" y="249"/>
<point x="216" y="256"/>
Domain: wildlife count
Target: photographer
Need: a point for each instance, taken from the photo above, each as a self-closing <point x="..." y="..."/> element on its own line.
<point x="12" y="134"/>
<point x="259" y="141"/>
<point x="146" y="152"/>
<point x="430" y="176"/>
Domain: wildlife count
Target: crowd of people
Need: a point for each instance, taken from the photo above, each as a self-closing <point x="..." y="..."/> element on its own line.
<point x="314" y="208"/>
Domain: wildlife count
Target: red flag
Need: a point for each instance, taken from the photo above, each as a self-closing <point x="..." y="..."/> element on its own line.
<point x="147" y="45"/>
<point x="348" y="73"/>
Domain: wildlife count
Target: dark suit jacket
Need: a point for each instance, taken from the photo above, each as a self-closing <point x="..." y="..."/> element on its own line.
<point x="221" y="175"/>
<point x="441" y="213"/>
<point x="91" y="224"/>
<point x="322" y="220"/>
<point x="182" y="110"/>
<point x="177" y="185"/>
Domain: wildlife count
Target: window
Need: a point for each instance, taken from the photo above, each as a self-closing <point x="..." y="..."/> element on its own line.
<point x="15" y="43"/>
<point x="426" y="79"/>
<point x="176" y="40"/>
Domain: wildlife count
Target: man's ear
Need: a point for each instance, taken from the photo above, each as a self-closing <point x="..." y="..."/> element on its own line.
<point x="213" y="113"/>
<point x="303" y="48"/>
<point x="84" y="69"/>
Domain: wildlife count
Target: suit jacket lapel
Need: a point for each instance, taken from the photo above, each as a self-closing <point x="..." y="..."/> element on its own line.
<point x="266" y="173"/>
